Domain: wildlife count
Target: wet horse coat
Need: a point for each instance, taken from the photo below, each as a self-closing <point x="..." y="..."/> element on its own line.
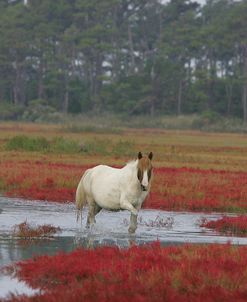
<point x="116" y="189"/>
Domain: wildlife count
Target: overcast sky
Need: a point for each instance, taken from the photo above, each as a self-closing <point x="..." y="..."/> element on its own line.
<point x="199" y="1"/>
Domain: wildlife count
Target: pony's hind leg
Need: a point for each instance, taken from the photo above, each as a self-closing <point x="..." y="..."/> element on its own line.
<point x="97" y="209"/>
<point x="93" y="210"/>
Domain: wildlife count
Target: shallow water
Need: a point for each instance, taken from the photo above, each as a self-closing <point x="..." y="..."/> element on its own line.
<point x="111" y="228"/>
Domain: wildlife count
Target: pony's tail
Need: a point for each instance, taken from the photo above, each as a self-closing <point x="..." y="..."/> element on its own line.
<point x="80" y="199"/>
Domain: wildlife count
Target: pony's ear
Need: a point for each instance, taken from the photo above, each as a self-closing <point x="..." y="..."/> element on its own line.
<point x="150" y="155"/>
<point x="139" y="155"/>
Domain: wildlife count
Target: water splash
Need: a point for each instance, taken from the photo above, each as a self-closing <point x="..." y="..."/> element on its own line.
<point x="111" y="228"/>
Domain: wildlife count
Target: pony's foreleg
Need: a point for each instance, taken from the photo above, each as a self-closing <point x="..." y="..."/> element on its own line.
<point x="133" y="223"/>
<point x="133" y="220"/>
<point x="128" y="206"/>
<point x="133" y="216"/>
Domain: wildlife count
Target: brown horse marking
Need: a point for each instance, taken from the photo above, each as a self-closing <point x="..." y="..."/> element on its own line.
<point x="144" y="164"/>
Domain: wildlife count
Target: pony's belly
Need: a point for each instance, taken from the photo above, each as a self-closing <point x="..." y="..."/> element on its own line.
<point x="108" y="204"/>
<point x="109" y="200"/>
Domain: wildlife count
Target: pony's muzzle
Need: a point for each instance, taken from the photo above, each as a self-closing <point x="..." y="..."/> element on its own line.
<point x="144" y="188"/>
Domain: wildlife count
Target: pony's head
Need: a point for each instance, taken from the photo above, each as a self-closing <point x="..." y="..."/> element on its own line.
<point x="144" y="170"/>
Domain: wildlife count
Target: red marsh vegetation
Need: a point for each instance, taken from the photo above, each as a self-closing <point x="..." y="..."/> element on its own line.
<point x="236" y="226"/>
<point x="150" y="273"/>
<point x="26" y="231"/>
<point x="172" y="189"/>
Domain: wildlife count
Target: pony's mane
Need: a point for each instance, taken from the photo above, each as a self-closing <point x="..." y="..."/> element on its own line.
<point x="144" y="163"/>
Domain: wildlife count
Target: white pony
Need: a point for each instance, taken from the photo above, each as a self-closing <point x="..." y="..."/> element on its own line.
<point x="115" y="189"/>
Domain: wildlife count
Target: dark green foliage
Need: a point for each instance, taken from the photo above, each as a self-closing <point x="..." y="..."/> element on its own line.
<point x="25" y="143"/>
<point x="37" y="110"/>
<point x="206" y="119"/>
<point x="60" y="144"/>
<point x="63" y="145"/>
<point x="132" y="57"/>
<point x="41" y="144"/>
<point x="106" y="147"/>
<point x="9" y="111"/>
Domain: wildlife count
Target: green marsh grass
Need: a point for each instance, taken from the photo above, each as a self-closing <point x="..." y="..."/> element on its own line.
<point x="92" y="146"/>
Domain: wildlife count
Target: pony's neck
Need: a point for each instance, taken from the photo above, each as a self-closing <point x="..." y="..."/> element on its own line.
<point x="131" y="170"/>
<point x="132" y="164"/>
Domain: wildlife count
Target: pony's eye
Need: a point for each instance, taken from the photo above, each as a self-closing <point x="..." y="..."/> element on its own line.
<point x="149" y="174"/>
<point x="139" y="174"/>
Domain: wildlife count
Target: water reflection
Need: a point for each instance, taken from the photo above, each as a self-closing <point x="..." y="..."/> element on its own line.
<point x="12" y="250"/>
<point x="10" y="284"/>
<point x="110" y="229"/>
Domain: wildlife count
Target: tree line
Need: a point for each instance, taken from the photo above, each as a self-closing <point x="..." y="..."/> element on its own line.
<point x="125" y="56"/>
